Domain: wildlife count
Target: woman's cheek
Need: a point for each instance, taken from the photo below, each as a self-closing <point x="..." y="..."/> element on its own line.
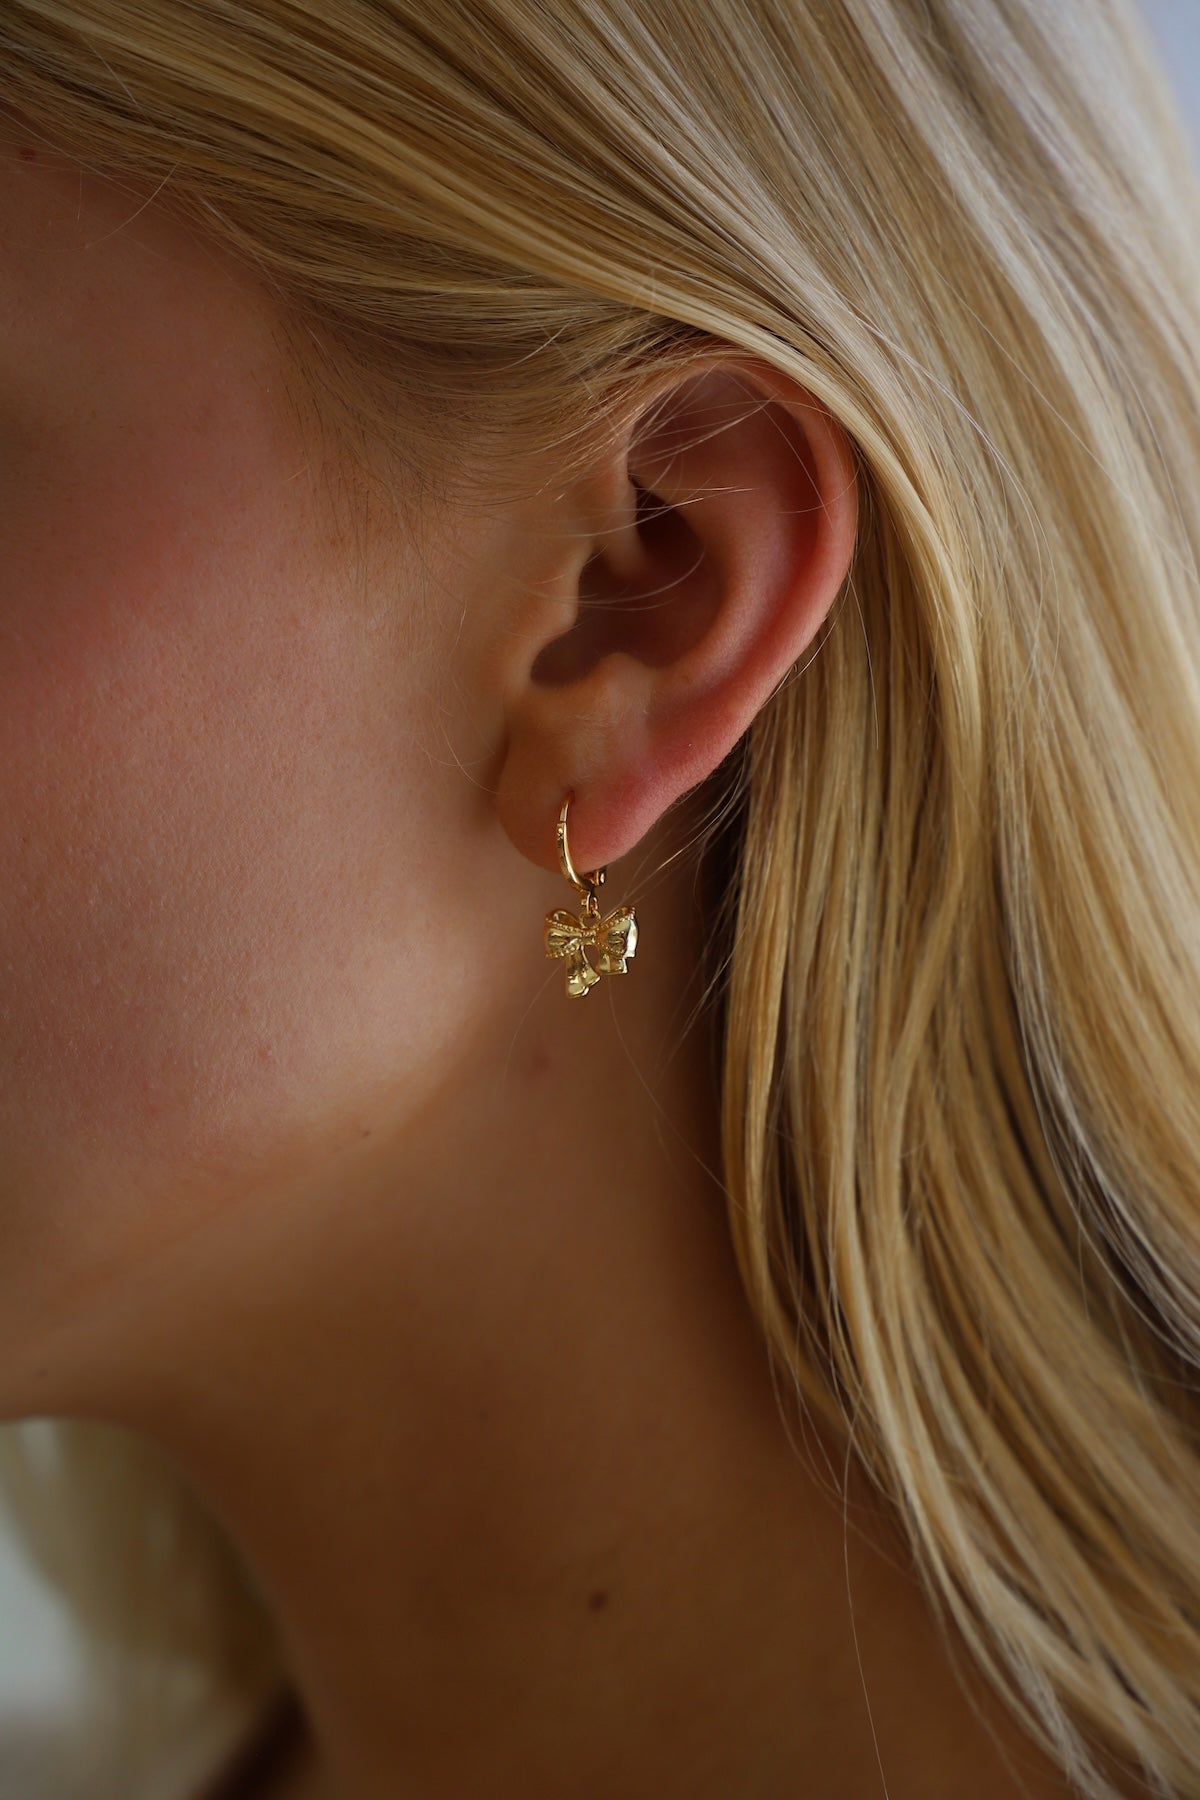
<point x="152" y="825"/>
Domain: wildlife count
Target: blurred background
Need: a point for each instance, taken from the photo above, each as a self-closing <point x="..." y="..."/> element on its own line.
<point x="1177" y="25"/>
<point x="37" y="1666"/>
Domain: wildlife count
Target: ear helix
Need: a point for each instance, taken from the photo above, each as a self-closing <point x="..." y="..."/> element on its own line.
<point x="612" y="939"/>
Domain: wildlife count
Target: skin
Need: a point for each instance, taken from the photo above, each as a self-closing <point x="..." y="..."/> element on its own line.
<point x="309" y="1171"/>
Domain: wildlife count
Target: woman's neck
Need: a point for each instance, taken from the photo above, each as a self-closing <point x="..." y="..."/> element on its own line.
<point x="482" y="1404"/>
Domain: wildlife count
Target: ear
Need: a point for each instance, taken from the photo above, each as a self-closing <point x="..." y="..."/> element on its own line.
<point x="710" y="543"/>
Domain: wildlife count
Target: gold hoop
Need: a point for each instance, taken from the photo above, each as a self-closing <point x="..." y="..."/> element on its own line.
<point x="588" y="885"/>
<point x="613" y="939"/>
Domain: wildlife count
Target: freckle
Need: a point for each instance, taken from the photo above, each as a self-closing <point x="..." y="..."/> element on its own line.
<point x="598" y="1600"/>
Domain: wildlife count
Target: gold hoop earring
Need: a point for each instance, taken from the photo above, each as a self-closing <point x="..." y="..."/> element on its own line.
<point x="613" y="938"/>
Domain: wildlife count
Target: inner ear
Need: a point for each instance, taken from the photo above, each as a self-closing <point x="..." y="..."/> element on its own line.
<point x="656" y="616"/>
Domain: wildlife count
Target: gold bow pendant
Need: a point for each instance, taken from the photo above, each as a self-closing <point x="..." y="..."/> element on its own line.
<point x="612" y="939"/>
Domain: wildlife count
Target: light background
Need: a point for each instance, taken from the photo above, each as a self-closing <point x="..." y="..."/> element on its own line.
<point x="36" y="1664"/>
<point x="1177" y="26"/>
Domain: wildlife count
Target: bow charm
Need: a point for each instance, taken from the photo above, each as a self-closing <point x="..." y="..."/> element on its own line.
<point x="613" y="940"/>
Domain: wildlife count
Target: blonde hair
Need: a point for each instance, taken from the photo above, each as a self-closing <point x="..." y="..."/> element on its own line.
<point x="958" y="963"/>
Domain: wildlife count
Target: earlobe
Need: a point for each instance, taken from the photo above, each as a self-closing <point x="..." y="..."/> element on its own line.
<point x="727" y="533"/>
